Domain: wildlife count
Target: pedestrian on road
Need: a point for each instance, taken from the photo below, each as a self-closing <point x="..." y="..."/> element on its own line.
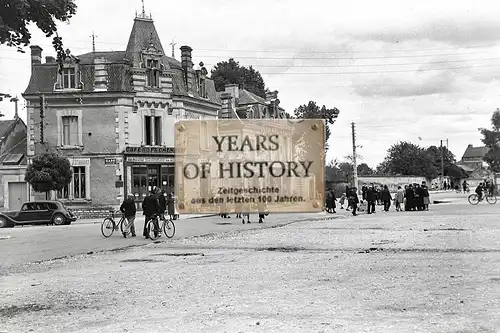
<point x="150" y="206"/>
<point x="410" y="198"/>
<point x="364" y="188"/>
<point x="171" y="206"/>
<point x="354" y="200"/>
<point x="419" y="198"/>
<point x="128" y="209"/>
<point x="386" y="198"/>
<point x="426" y="196"/>
<point x="342" y="201"/>
<point x="371" y="196"/>
<point x="400" y="196"/>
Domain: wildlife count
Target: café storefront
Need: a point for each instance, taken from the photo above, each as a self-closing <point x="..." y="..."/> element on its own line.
<point x="147" y="168"/>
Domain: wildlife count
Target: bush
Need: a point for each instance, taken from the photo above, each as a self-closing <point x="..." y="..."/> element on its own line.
<point x="48" y="172"/>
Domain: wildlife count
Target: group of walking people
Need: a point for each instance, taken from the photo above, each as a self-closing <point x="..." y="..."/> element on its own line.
<point x="157" y="202"/>
<point x="414" y="197"/>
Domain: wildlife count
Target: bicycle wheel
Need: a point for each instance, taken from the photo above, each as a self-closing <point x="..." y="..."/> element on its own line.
<point x="123" y="224"/>
<point x="152" y="231"/>
<point x="107" y="227"/>
<point x="169" y="228"/>
<point x="473" y="199"/>
<point x="491" y="199"/>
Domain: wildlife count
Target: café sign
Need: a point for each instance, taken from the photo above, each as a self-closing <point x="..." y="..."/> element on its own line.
<point x="149" y="150"/>
<point x="251" y="169"/>
<point x="149" y="159"/>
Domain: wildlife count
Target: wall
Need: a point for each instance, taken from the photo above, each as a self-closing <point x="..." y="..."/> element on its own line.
<point x="392" y="182"/>
<point x="99" y="121"/>
<point x="9" y="174"/>
<point x="102" y="183"/>
<point x="136" y="126"/>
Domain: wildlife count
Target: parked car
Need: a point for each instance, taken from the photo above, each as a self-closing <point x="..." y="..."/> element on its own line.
<point x="38" y="212"/>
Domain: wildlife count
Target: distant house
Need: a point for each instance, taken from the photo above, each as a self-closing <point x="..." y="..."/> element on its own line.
<point x="13" y="189"/>
<point x="473" y="157"/>
<point x="473" y="164"/>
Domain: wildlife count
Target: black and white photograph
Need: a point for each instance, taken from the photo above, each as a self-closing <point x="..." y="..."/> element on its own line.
<point x="249" y="166"/>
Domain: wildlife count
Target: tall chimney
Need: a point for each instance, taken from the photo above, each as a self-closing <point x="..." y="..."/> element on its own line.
<point x="36" y="55"/>
<point x="226" y="107"/>
<point x="187" y="66"/>
<point x="100" y="75"/>
<point x="234" y="90"/>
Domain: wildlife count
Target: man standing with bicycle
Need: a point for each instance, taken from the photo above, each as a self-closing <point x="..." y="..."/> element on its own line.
<point x="128" y="209"/>
<point x="150" y="207"/>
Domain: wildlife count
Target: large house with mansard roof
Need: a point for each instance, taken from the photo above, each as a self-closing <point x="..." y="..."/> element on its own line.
<point x="113" y="113"/>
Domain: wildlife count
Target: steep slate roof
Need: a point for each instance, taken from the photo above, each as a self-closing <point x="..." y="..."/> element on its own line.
<point x="17" y="153"/>
<point x="6" y="127"/>
<point x="110" y="56"/>
<point x="142" y="34"/>
<point x="119" y="63"/>
<point x="248" y="97"/>
<point x="475" y="152"/>
<point x="44" y="77"/>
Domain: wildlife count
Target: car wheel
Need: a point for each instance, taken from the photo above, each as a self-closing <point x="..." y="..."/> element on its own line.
<point x="58" y="219"/>
<point x="3" y="222"/>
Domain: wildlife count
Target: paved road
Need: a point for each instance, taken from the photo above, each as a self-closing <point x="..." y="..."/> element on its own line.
<point x="40" y="243"/>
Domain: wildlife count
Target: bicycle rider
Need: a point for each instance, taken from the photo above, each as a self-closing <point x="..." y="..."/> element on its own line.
<point x="479" y="191"/>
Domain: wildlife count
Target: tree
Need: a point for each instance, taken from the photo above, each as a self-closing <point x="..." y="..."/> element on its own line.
<point x="313" y="111"/>
<point x="364" y="170"/>
<point x="347" y="171"/>
<point x="227" y="72"/>
<point x="407" y="159"/>
<point x="15" y="15"/>
<point x="48" y="172"/>
<point x="435" y="153"/>
<point x="333" y="174"/>
<point x="491" y="139"/>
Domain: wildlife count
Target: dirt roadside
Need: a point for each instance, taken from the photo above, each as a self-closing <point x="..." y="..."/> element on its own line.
<point x="343" y="275"/>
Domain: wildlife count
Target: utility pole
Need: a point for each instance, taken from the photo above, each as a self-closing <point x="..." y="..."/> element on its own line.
<point x="447" y="144"/>
<point x="173" y="48"/>
<point x="354" y="163"/>
<point x="93" y="41"/>
<point x="442" y="163"/>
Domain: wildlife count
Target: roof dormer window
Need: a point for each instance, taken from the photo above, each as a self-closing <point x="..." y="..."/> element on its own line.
<point x="153" y="73"/>
<point x="69" y="78"/>
<point x="202" y="88"/>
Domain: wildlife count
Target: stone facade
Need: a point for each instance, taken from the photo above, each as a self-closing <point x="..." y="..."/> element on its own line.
<point x="113" y="113"/>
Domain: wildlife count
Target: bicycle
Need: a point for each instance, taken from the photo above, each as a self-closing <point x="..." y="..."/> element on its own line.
<point x="109" y="225"/>
<point x="168" y="227"/>
<point x="474" y="199"/>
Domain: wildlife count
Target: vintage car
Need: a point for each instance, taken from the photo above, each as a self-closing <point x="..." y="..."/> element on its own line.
<point x="38" y="212"/>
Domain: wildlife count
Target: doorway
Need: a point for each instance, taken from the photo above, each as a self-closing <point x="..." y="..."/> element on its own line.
<point x="18" y="195"/>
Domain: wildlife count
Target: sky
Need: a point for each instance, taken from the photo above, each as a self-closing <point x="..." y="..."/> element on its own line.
<point x="401" y="71"/>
